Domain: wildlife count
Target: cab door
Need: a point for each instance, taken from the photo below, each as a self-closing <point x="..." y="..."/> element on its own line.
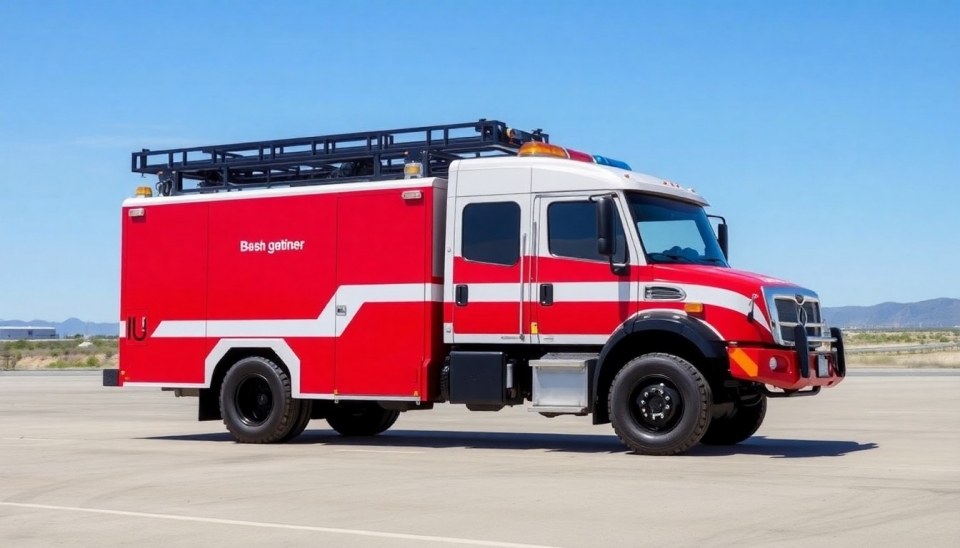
<point x="491" y="269"/>
<point x="580" y="297"/>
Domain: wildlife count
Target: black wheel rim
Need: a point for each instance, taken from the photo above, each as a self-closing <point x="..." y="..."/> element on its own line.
<point x="253" y="400"/>
<point x="656" y="404"/>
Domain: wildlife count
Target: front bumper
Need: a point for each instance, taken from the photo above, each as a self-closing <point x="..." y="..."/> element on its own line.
<point x="792" y="369"/>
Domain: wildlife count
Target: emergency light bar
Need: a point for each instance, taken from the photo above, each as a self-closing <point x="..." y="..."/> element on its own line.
<point x="536" y="148"/>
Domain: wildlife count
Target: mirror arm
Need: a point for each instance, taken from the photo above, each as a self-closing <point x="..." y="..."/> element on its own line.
<point x="619" y="269"/>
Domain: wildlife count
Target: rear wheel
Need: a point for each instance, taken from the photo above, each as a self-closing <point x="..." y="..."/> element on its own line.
<point x="306" y="410"/>
<point x="659" y="405"/>
<point x="739" y="425"/>
<point x="255" y="401"/>
<point x="361" y="419"/>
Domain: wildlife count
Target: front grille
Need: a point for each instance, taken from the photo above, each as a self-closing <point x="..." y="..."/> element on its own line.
<point x="788" y="317"/>
<point x="787" y="310"/>
<point x="813" y="311"/>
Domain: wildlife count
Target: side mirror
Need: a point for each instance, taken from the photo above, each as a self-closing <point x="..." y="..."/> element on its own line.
<point x="722" y="235"/>
<point x="722" y="238"/>
<point x="606" y="238"/>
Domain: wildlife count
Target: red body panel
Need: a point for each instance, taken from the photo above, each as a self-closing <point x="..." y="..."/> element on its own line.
<point x="263" y="284"/>
<point x="164" y="275"/>
<point x="279" y="269"/>
<point x="565" y="317"/>
<point x="501" y="316"/>
<point x="382" y="238"/>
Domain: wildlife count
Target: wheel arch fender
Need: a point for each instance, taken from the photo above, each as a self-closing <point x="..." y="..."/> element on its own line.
<point x="227" y="352"/>
<point x="689" y="337"/>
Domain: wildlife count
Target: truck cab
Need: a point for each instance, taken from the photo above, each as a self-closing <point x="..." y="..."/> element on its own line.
<point x="614" y="294"/>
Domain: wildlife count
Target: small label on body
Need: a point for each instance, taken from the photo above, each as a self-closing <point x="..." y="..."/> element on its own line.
<point x="271" y="247"/>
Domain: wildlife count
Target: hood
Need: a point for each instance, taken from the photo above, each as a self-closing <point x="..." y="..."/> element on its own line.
<point x="741" y="281"/>
<point x="730" y="290"/>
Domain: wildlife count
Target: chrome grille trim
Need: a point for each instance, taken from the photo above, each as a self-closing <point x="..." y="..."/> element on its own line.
<point x="785" y="314"/>
<point x="663" y="293"/>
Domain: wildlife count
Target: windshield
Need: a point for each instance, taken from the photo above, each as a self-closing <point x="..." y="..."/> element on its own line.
<point x="673" y="231"/>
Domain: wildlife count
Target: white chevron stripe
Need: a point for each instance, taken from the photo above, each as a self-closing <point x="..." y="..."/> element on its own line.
<point x="606" y="292"/>
<point x="328" y="324"/>
<point x="353" y="297"/>
<point x="723" y="298"/>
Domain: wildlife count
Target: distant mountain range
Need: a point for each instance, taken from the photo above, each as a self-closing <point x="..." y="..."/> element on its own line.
<point x="70" y="327"/>
<point x="932" y="313"/>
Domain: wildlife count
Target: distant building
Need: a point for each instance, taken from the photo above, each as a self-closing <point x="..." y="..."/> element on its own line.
<point x="27" y="333"/>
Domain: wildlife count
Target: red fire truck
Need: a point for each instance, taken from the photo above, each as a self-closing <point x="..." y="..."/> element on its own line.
<point x="354" y="277"/>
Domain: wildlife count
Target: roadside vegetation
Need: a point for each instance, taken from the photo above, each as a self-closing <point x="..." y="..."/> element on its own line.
<point x="70" y="353"/>
<point x="903" y="348"/>
<point x="944" y="359"/>
<point x="855" y="337"/>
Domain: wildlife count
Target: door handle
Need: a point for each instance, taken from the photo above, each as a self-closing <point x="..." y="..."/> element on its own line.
<point x="462" y="295"/>
<point x="546" y="294"/>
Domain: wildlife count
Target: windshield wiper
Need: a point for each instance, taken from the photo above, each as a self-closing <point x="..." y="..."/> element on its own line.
<point x="674" y="256"/>
<point x="713" y="260"/>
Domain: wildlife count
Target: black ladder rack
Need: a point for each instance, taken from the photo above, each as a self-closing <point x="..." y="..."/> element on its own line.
<point x="362" y="156"/>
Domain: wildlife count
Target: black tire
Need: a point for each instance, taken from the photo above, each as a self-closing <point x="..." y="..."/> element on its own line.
<point x="255" y="401"/>
<point x="675" y="397"/>
<point x="306" y="410"/>
<point x="738" y="426"/>
<point x="361" y="419"/>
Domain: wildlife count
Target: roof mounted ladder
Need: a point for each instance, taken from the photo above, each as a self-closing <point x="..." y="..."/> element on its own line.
<point x="325" y="159"/>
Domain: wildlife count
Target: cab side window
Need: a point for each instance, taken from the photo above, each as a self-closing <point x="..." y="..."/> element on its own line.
<point x="572" y="232"/>
<point x="491" y="233"/>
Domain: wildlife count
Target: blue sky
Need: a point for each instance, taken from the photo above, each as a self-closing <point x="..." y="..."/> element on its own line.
<point x="828" y="133"/>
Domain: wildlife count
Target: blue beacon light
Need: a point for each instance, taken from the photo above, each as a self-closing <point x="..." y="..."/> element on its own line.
<point x="611" y="162"/>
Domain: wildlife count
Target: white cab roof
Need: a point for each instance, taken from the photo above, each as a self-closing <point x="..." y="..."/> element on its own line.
<point x="540" y="174"/>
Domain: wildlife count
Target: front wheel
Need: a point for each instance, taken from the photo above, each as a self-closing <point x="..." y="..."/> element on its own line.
<point x="742" y="423"/>
<point x="659" y="405"/>
<point x="361" y="419"/>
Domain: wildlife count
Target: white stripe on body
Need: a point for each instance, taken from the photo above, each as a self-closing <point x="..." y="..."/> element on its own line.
<point x="328" y="324"/>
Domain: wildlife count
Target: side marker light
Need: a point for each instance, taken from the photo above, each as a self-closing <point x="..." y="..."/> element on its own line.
<point x="412" y="170"/>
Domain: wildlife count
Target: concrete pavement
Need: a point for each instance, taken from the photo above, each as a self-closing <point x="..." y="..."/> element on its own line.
<point x="875" y="461"/>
